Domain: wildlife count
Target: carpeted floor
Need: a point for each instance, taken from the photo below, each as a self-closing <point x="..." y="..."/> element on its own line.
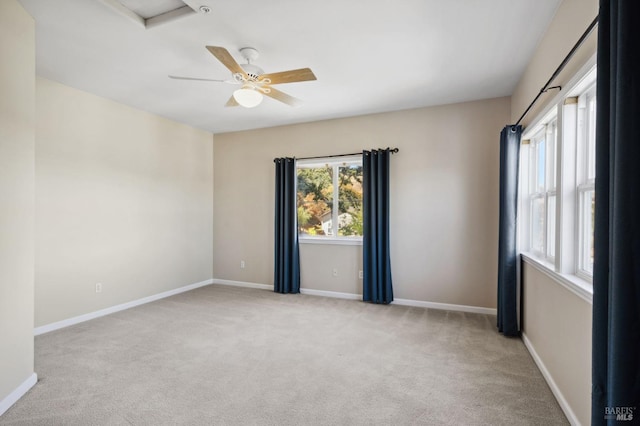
<point x="225" y="355"/>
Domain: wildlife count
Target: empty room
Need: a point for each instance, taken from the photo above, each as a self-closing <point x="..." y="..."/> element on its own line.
<point x="295" y="212"/>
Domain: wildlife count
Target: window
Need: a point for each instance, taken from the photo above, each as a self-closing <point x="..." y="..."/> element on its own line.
<point x="320" y="183"/>
<point x="586" y="173"/>
<point x="542" y="190"/>
<point x="557" y="192"/>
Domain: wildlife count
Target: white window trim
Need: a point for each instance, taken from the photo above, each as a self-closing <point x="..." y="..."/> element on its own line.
<point x="584" y="183"/>
<point x="332" y="162"/>
<point x="581" y="191"/>
<point x="563" y="268"/>
<point x="547" y="190"/>
<point x="340" y="241"/>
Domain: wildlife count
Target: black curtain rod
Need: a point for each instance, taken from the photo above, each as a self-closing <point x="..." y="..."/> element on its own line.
<point x="560" y="68"/>
<point x="393" y="151"/>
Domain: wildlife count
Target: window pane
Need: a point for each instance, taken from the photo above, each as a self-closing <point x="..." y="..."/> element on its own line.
<point x="540" y="163"/>
<point x="350" y="200"/>
<point x="537" y="224"/>
<point x="315" y="201"/>
<point x="591" y="140"/>
<point x="532" y="169"/>
<point x="587" y="209"/>
<point x="551" y="226"/>
<point x="551" y="166"/>
<point x="591" y="229"/>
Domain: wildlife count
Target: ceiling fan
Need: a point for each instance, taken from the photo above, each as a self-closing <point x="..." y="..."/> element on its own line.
<point x="253" y="80"/>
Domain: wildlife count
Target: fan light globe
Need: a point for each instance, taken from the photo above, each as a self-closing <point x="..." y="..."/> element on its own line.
<point x="248" y="98"/>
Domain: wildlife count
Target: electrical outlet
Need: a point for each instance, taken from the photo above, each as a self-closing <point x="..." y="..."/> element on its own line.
<point x="360" y="275"/>
<point x="99" y="288"/>
<point x="242" y="264"/>
<point x="335" y="272"/>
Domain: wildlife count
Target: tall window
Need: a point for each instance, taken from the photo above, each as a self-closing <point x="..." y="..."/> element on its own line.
<point x="557" y="192"/>
<point x="320" y="183"/>
<point x="586" y="174"/>
<point x="542" y="190"/>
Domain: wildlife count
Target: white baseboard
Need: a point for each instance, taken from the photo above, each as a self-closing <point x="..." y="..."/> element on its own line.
<point x="353" y="296"/>
<point x="308" y="291"/>
<point x="18" y="392"/>
<point x="242" y="284"/>
<point x="566" y="408"/>
<point x="102" y="312"/>
<point x="445" y="306"/>
<point x="334" y="294"/>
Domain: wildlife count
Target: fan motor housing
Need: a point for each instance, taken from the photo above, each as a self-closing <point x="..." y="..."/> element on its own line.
<point x="252" y="71"/>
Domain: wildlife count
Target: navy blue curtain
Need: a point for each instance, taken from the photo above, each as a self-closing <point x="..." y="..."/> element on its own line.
<point x="376" y="286"/>
<point x="507" y="256"/>
<point x="616" y="269"/>
<point x="287" y="258"/>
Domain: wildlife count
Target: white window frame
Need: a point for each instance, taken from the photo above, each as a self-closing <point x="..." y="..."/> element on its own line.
<point x="335" y="163"/>
<point x="545" y="133"/>
<point x="563" y="265"/>
<point x="585" y="178"/>
<point x="550" y="186"/>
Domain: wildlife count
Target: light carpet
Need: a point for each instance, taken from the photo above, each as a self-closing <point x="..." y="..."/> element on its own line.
<point x="235" y="356"/>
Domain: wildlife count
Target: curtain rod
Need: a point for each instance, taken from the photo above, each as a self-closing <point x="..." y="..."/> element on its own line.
<point x="393" y="151"/>
<point x="564" y="62"/>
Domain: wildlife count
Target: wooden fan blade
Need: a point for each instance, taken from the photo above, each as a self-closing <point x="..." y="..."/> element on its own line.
<point x="283" y="97"/>
<point x="302" y="74"/>
<point x="227" y="60"/>
<point x="232" y="102"/>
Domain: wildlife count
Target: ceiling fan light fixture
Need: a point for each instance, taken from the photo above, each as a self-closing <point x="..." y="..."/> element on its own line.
<point x="247" y="97"/>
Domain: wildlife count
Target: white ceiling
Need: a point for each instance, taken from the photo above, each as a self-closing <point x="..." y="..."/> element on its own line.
<point x="369" y="56"/>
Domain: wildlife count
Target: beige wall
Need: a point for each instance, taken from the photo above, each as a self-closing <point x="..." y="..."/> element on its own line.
<point x="17" y="101"/>
<point x="571" y="20"/>
<point x="123" y="198"/>
<point x="318" y="261"/>
<point x="558" y="325"/>
<point x="444" y="206"/>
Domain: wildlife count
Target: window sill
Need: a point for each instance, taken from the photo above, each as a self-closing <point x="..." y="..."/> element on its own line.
<point x="345" y="241"/>
<point x="573" y="283"/>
